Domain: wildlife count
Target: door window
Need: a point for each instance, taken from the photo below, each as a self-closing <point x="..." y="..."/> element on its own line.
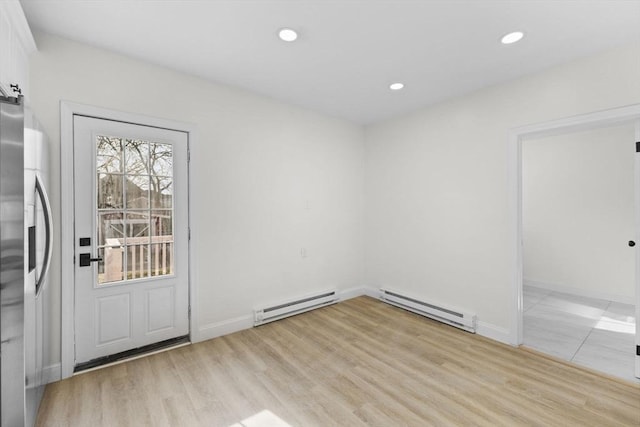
<point x="134" y="209"/>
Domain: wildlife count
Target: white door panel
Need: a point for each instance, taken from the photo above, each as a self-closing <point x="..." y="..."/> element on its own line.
<point x="159" y="309"/>
<point x="131" y="222"/>
<point x="113" y="318"/>
<point x="637" y="188"/>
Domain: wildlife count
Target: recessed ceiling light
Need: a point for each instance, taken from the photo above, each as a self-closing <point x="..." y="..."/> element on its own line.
<point x="287" y="34"/>
<point x="396" y="86"/>
<point x="512" y="37"/>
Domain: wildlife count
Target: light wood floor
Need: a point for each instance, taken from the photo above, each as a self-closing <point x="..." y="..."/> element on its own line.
<point x="360" y="362"/>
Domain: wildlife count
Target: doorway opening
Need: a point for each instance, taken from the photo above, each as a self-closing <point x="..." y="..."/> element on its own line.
<point x="526" y="295"/>
<point x="578" y="270"/>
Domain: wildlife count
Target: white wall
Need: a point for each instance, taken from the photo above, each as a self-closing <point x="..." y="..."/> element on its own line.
<point x="436" y="203"/>
<point x="436" y="221"/>
<point x="267" y="178"/>
<point x="578" y="212"/>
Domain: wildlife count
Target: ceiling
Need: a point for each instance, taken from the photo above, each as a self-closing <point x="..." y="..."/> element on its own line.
<point x="348" y="51"/>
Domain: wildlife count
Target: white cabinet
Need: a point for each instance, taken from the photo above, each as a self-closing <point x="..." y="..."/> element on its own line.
<point x="16" y="44"/>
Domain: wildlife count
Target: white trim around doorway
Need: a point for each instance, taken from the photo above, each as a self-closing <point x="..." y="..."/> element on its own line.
<point x="67" y="111"/>
<point x="515" y="138"/>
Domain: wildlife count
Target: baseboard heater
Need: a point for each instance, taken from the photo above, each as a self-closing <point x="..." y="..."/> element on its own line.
<point x="292" y="307"/>
<point x="449" y="316"/>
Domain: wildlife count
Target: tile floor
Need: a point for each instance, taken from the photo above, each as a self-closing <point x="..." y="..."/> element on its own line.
<point x="595" y="333"/>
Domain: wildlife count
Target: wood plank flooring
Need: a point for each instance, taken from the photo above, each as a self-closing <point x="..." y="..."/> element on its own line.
<point x="360" y="362"/>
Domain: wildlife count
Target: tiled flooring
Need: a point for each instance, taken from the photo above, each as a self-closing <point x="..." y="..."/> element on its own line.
<point x="595" y="333"/>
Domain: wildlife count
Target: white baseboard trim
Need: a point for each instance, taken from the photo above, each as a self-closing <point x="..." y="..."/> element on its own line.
<point x="218" y="329"/>
<point x="52" y="373"/>
<point x="485" y="329"/>
<point x="578" y="291"/>
<point x="493" y="332"/>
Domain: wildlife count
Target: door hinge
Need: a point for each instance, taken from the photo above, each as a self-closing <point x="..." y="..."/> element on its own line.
<point x="638" y="147"/>
<point x="189" y="311"/>
<point x="188" y="156"/>
<point x="189" y="233"/>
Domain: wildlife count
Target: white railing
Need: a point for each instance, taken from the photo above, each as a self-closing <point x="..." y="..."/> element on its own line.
<point x="140" y="263"/>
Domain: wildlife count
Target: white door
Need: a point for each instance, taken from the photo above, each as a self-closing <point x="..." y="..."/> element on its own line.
<point x="637" y="188"/>
<point x="131" y="236"/>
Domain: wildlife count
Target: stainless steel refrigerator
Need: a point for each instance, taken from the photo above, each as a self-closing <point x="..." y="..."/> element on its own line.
<point x="25" y="253"/>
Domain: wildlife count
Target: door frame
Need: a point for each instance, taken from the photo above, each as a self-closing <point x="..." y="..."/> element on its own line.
<point x="67" y="247"/>
<point x="516" y="136"/>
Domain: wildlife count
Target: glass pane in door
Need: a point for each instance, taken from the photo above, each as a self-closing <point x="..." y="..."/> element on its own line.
<point x="134" y="209"/>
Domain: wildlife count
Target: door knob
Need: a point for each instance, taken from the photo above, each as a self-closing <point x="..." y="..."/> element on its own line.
<point x="86" y="260"/>
<point x="632" y="243"/>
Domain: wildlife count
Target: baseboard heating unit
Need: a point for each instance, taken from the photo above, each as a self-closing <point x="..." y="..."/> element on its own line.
<point x="292" y="307"/>
<point x="451" y="317"/>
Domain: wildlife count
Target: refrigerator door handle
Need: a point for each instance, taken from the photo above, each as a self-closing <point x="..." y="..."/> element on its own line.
<point x="48" y="223"/>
